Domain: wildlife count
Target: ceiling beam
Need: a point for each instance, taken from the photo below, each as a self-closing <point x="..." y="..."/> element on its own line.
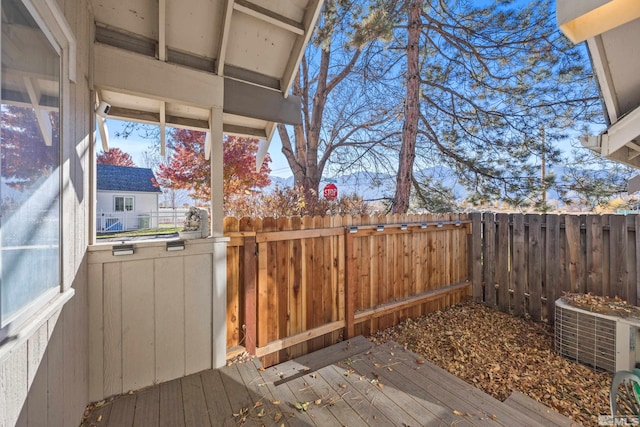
<point x="128" y="72"/>
<point x="268" y="16"/>
<point x="247" y="100"/>
<point x="309" y="22"/>
<point x="224" y="36"/>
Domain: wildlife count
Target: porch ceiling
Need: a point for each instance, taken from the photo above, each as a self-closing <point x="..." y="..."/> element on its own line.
<point x="255" y="46"/>
<point x="611" y="29"/>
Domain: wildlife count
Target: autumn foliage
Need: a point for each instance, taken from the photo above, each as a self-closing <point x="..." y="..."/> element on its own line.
<point x="25" y="156"/>
<point x="186" y="167"/>
<point x="115" y="156"/>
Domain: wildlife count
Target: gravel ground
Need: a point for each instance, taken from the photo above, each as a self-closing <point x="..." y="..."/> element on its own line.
<point x="499" y="353"/>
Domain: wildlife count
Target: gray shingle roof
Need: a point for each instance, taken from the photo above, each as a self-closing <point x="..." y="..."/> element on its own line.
<point x="123" y="178"/>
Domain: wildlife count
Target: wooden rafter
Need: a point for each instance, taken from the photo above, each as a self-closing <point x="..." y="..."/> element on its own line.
<point x="162" y="128"/>
<point x="224" y="36"/>
<point x="603" y="73"/>
<point x="42" y="116"/>
<point x="207" y="139"/>
<point x="102" y="126"/>
<point x="268" y="16"/>
<point x="308" y="23"/>
<point x="162" y="30"/>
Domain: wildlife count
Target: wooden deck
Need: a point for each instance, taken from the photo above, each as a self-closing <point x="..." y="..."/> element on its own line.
<point x="353" y="383"/>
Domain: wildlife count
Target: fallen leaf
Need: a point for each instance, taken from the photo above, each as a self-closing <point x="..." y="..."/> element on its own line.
<point x="301" y="406"/>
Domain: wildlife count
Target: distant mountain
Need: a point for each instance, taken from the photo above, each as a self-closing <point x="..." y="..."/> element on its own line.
<point x="374" y="186"/>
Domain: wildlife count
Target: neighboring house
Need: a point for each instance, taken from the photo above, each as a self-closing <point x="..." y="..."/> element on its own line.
<point x="127" y="198"/>
<point x="80" y="321"/>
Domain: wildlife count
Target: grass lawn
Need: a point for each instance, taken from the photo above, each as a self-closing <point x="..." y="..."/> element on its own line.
<point x="138" y="233"/>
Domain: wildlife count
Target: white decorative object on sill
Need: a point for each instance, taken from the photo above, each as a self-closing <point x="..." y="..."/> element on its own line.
<point x="196" y="224"/>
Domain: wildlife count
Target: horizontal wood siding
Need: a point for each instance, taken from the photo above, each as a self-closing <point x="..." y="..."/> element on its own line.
<point x="523" y="263"/>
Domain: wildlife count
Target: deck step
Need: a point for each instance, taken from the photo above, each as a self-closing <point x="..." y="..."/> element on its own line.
<point x="538" y="411"/>
<point x="321" y="358"/>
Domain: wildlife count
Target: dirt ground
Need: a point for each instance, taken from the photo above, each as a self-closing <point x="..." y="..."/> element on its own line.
<point x="500" y="353"/>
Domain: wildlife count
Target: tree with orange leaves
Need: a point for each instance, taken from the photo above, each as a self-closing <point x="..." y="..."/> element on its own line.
<point x="187" y="168"/>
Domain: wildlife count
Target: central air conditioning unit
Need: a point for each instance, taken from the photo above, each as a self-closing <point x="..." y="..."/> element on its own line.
<point x="600" y="341"/>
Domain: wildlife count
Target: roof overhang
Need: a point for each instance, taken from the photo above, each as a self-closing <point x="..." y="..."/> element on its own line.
<point x="611" y="30"/>
<point x="170" y="63"/>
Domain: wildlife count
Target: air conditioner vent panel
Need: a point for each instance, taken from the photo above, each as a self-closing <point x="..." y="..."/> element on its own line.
<point x="586" y="339"/>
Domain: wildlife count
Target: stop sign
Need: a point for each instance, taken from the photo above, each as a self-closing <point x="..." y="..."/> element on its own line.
<point x="330" y="191"/>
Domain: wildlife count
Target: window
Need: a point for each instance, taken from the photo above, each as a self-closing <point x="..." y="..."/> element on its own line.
<point x="30" y="173"/>
<point x="123" y="203"/>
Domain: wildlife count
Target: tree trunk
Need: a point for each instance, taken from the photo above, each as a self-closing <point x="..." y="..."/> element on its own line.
<point x="411" y="106"/>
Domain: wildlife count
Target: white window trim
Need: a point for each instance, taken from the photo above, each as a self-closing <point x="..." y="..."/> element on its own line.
<point x="52" y="23"/>
<point x="124" y="203"/>
<point x="37" y="317"/>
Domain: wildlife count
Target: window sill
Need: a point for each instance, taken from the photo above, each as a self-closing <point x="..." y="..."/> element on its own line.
<point x="18" y="336"/>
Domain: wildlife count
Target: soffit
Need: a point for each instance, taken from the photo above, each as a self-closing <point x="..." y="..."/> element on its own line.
<point x="258" y="44"/>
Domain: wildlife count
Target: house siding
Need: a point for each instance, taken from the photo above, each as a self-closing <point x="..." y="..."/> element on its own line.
<point x="44" y="374"/>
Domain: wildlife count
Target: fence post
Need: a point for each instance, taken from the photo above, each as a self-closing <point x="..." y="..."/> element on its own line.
<point x="349" y="291"/>
<point x="250" y="296"/>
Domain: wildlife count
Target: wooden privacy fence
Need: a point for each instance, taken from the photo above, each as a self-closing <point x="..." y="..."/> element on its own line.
<point x="523" y="263"/>
<point x="295" y="285"/>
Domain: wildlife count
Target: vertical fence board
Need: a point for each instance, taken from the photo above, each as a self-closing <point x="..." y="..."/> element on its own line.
<point x="572" y="231"/>
<point x="630" y="262"/>
<point x="618" y="256"/>
<point x="490" y="258"/>
<point x="350" y="284"/>
<point x="251" y="294"/>
<point x="606" y="259"/>
<point x="594" y="254"/>
<point x="535" y="267"/>
<point x="476" y="256"/>
<point x="503" y="249"/>
<point x="282" y="283"/>
<point x="552" y="261"/>
<point x="519" y="267"/>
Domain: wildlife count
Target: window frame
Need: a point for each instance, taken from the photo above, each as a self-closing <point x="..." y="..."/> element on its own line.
<point x="52" y="22"/>
<point x="124" y="203"/>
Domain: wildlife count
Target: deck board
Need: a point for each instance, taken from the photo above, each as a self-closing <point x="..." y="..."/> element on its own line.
<point x="352" y="383"/>
<point x="147" y="407"/>
<point x="486" y="406"/>
<point x="195" y="405"/>
<point x="404" y="393"/>
<point x="218" y="405"/>
<point x="123" y="410"/>
<point x="171" y="406"/>
<point x="338" y="379"/>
